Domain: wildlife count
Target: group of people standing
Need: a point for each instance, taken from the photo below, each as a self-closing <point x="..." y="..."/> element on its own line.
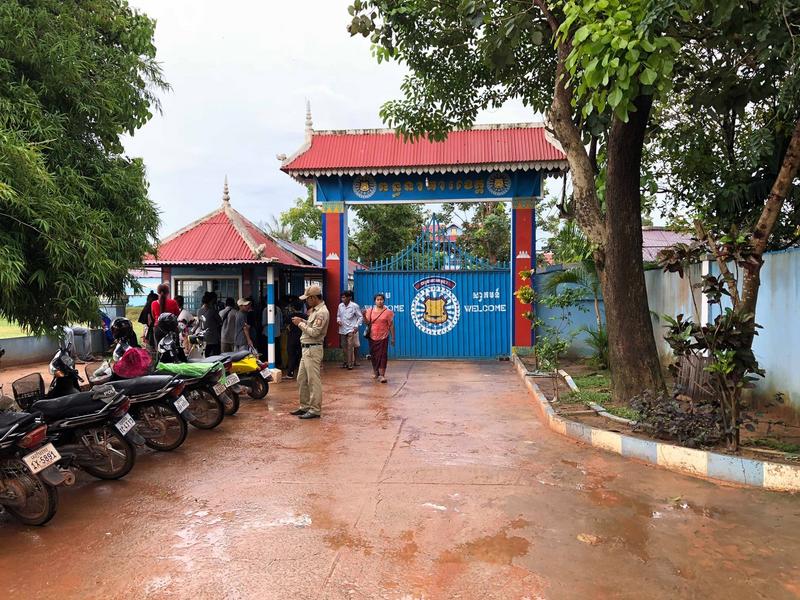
<point x="227" y="329"/>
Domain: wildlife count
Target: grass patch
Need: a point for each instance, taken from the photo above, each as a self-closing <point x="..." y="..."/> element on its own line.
<point x="594" y="381"/>
<point x="596" y="387"/>
<point x="10" y="330"/>
<point x="624" y="412"/>
<point x="585" y="396"/>
<point x="774" y="444"/>
<point x="133" y="312"/>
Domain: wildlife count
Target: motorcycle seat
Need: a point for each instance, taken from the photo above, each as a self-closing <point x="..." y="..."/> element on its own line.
<point x="141" y="385"/>
<point x="207" y="359"/>
<point x="234" y="356"/>
<point x="72" y="405"/>
<point x="8" y="420"/>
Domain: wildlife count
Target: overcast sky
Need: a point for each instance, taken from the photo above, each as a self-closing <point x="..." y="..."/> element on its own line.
<point x="240" y="72"/>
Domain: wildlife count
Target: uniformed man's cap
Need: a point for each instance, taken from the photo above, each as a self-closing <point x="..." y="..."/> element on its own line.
<point x="313" y="290"/>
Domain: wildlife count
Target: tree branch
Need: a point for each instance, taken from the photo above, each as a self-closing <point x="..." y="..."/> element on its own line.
<point x="730" y="280"/>
<point x="777" y="196"/>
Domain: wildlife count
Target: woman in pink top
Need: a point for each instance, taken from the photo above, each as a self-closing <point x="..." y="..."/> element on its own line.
<point x="381" y="322"/>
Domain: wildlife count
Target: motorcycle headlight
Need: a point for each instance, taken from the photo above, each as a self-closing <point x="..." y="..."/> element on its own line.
<point x="67" y="360"/>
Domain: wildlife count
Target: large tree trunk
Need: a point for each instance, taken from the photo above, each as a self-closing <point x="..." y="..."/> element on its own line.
<point x="617" y="235"/>
<point x="632" y="350"/>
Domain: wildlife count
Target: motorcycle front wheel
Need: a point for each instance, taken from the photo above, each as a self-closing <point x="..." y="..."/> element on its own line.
<point x="110" y="455"/>
<point x="161" y="426"/>
<point x="207" y="409"/>
<point x="40" y="500"/>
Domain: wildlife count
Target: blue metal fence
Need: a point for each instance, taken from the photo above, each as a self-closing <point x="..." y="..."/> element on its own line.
<point x="448" y="303"/>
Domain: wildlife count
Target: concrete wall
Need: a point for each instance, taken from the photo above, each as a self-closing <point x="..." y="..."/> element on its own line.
<point x="669" y="294"/>
<point x="581" y="316"/>
<point x="24" y="350"/>
<point x="777" y="345"/>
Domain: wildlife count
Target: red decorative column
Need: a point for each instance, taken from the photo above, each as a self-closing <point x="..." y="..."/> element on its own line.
<point x="523" y="258"/>
<point x="334" y="261"/>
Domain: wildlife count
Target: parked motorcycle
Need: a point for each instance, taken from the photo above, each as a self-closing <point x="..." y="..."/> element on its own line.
<point x="6" y="402"/>
<point x="28" y="469"/>
<point x="245" y="372"/>
<point x="205" y="384"/>
<point x="158" y="406"/>
<point x="232" y="383"/>
<point x="93" y="430"/>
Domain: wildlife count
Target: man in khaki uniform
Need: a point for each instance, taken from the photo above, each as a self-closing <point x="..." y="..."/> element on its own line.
<point x="314" y="329"/>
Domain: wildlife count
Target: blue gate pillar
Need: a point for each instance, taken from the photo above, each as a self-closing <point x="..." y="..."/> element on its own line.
<point x="523" y="258"/>
<point x="334" y="261"/>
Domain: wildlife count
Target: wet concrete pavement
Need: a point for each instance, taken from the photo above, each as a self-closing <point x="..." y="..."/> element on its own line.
<point x="441" y="484"/>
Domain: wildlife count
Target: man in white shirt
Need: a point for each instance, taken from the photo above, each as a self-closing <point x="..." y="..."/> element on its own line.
<point x="349" y="319"/>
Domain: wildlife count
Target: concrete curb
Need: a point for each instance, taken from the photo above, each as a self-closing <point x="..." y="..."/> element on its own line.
<point x="697" y="463"/>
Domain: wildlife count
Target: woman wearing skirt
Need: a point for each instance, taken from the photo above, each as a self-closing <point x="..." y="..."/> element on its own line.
<point x="381" y="326"/>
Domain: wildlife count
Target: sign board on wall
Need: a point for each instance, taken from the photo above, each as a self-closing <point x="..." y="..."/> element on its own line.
<point x="463" y="187"/>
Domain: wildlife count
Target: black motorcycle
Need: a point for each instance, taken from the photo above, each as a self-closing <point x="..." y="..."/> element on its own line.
<point x="207" y="395"/>
<point x="159" y="407"/>
<point x="28" y="469"/>
<point x="92" y="430"/>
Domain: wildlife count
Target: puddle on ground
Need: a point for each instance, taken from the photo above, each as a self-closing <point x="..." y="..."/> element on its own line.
<point x="498" y="549"/>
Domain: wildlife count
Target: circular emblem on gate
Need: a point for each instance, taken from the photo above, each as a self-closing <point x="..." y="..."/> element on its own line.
<point x="435" y="309"/>
<point x="364" y="186"/>
<point x="499" y="183"/>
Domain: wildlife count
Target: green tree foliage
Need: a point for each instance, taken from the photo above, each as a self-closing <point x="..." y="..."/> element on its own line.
<point x="74" y="210"/>
<point x="303" y="220"/>
<point x="381" y="230"/>
<point x="721" y="138"/>
<point x="486" y="229"/>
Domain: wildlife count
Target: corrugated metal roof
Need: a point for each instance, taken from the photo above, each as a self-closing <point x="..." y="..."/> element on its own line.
<point x="656" y="238"/>
<point x="520" y="145"/>
<point x="313" y="255"/>
<point x="221" y="237"/>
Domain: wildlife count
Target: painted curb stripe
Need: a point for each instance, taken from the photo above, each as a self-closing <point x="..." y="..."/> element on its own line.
<point x="695" y="463"/>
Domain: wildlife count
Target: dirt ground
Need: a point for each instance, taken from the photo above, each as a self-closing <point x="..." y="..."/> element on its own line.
<point x="441" y="484"/>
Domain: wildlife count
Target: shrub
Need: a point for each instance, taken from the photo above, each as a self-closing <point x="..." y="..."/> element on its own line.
<point x="689" y="424"/>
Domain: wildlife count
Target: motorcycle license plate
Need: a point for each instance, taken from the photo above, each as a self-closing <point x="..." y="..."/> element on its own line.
<point x="181" y="404"/>
<point x="125" y="424"/>
<point x="40" y="459"/>
<point x="232" y="379"/>
<point x="219" y="389"/>
<point x="266" y="374"/>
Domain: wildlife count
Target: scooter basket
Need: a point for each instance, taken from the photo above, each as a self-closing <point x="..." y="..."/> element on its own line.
<point x="28" y="389"/>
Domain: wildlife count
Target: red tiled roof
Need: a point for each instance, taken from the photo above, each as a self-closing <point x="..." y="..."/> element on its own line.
<point x="221" y="237"/>
<point x="521" y="146"/>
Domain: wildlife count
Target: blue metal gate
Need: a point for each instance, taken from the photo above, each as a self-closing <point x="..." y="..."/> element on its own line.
<point x="448" y="304"/>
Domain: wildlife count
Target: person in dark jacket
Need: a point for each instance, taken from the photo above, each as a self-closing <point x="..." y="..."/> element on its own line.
<point x="210" y="323"/>
<point x="293" y="333"/>
<point x="146" y="319"/>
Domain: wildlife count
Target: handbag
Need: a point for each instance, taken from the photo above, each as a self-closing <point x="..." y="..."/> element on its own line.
<point x="368" y="330"/>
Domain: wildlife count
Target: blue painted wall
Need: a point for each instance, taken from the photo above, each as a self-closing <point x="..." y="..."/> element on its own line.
<point x="581" y="316"/>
